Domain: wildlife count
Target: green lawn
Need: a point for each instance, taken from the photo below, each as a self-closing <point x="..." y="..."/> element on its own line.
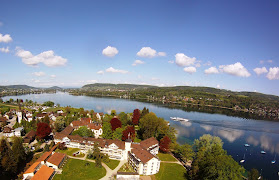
<point x="112" y="164"/>
<point x="170" y="171"/>
<point x="166" y="157"/>
<point x="70" y="151"/>
<point x="82" y="170"/>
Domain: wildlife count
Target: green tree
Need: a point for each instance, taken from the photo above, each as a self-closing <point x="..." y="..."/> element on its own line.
<point x="185" y="152"/>
<point x="207" y="141"/>
<point x="59" y="124"/>
<point x="46" y="119"/>
<point x="7" y="158"/>
<point x="113" y="112"/>
<point x="48" y="103"/>
<point x="83" y="131"/>
<point x="46" y="148"/>
<point x="107" y="132"/>
<point x="117" y="134"/>
<point x="18" y="151"/>
<point x="123" y="118"/>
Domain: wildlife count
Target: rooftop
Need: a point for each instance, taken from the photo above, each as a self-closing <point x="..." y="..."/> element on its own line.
<point x="44" y="173"/>
<point x="56" y="158"/>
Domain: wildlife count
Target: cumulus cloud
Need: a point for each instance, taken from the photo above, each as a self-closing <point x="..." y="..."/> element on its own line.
<point x="5" y="50"/>
<point x="183" y="60"/>
<point x="39" y="74"/>
<point x="273" y="73"/>
<point x="91" y="81"/>
<point x="260" y="71"/>
<point x="137" y="62"/>
<point x="53" y="76"/>
<point x="112" y="70"/>
<point x="100" y="72"/>
<point x="267" y="61"/>
<point x="236" y="69"/>
<point x="48" y="58"/>
<point x="211" y="70"/>
<point x="190" y="69"/>
<point x="110" y="51"/>
<point x="148" y="52"/>
<point x="5" y="38"/>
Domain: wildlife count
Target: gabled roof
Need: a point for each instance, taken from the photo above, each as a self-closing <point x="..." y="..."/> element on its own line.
<point x="45" y="156"/>
<point x="141" y="153"/>
<point x="32" y="168"/>
<point x="56" y="158"/>
<point x="95" y="126"/>
<point x="149" y="142"/>
<point x="68" y="130"/>
<point x="31" y="134"/>
<point x="44" y="173"/>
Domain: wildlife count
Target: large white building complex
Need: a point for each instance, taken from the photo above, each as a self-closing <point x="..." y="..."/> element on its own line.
<point x="141" y="156"/>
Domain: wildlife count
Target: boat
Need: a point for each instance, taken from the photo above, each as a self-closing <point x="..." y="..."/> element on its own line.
<point x="179" y="119"/>
<point x="263" y="152"/>
<point x="274" y="161"/>
<point x="173" y="118"/>
<point x="243" y="160"/>
<point x="247" y="145"/>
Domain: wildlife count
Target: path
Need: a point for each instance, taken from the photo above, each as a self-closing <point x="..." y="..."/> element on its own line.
<point x="109" y="172"/>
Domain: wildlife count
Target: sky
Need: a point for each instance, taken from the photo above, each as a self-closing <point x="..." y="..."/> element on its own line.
<point x="230" y="45"/>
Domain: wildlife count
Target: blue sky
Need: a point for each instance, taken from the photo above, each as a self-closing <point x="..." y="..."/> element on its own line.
<point x="231" y="45"/>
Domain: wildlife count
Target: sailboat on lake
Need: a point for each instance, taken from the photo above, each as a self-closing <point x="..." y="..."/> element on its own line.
<point x="274" y="161"/>
<point x="243" y="160"/>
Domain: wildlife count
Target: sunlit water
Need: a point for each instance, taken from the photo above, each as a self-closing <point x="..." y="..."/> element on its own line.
<point x="234" y="131"/>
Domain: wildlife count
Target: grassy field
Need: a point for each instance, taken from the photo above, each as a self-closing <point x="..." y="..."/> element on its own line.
<point x="166" y="157"/>
<point x="112" y="164"/>
<point x="82" y="170"/>
<point x="70" y="151"/>
<point x="171" y="171"/>
<point x="3" y="105"/>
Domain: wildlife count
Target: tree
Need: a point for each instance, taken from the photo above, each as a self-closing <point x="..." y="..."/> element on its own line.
<point x="59" y="124"/>
<point x="136" y="116"/>
<point x="83" y="131"/>
<point x="48" y="103"/>
<point x="185" y="152"/>
<point x="97" y="155"/>
<point x="117" y="134"/>
<point x="123" y="117"/>
<point x="113" y="112"/>
<point x="115" y="123"/>
<point x="107" y="132"/>
<point x="129" y="132"/>
<point x="253" y="174"/>
<point x="43" y="130"/>
<point x="8" y="163"/>
<point x="46" y="148"/>
<point x="165" y="144"/>
<point x="18" y="151"/>
<point x="46" y="119"/>
<point x="207" y="141"/>
<point x="144" y="112"/>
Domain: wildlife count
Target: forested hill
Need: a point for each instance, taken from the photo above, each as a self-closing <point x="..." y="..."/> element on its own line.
<point x="116" y="87"/>
<point x="16" y="87"/>
<point x="178" y="89"/>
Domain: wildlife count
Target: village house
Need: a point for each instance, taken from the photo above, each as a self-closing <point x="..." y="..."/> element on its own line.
<point x="29" y="137"/>
<point x="96" y="128"/>
<point x="9" y="132"/>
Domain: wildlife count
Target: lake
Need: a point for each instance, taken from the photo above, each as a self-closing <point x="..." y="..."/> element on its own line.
<point x="234" y="131"/>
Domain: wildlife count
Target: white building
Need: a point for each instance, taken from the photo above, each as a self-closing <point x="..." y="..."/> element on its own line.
<point x="8" y="132"/>
<point x="19" y="116"/>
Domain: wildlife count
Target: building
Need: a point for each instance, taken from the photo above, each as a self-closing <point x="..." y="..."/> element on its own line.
<point x="44" y="173"/>
<point x="9" y="132"/>
<point x="96" y="128"/>
<point x="56" y="160"/>
<point x="141" y="156"/>
<point x="127" y="176"/>
<point x="29" y="137"/>
<point x="19" y="116"/>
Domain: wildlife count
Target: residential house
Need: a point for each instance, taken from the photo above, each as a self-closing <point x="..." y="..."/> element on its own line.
<point x="96" y="128"/>
<point x="44" y="173"/>
<point x="9" y="132"/>
<point x="29" y="137"/>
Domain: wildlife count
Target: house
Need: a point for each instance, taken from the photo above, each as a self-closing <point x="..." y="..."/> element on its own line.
<point x="96" y="128"/>
<point x="127" y="176"/>
<point x="9" y="132"/>
<point x="60" y="111"/>
<point x="44" y="173"/>
<point x="30" y="172"/>
<point x="19" y="116"/>
<point x="56" y="160"/>
<point x="29" y="137"/>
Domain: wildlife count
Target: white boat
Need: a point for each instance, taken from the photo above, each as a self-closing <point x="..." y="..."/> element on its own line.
<point x="274" y="161"/>
<point x="263" y="152"/>
<point x="179" y="119"/>
<point x="247" y="145"/>
<point x="243" y="160"/>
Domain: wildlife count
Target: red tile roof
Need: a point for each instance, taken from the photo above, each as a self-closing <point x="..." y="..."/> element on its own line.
<point x="44" y="173"/>
<point x="32" y="168"/>
<point x="56" y="158"/>
<point x="149" y="142"/>
<point x="45" y="156"/>
<point x="141" y="153"/>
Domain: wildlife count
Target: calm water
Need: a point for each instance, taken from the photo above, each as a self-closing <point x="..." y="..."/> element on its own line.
<point x="234" y="131"/>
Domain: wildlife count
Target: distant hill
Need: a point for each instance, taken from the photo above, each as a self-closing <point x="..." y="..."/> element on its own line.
<point x="55" y="88"/>
<point x="101" y="86"/>
<point x="20" y="87"/>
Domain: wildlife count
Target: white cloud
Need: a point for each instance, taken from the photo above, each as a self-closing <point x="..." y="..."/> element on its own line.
<point x="267" y="61"/>
<point x="162" y="54"/>
<point x="110" y="51"/>
<point x="211" y="70"/>
<point x="218" y="86"/>
<point x="5" y="38"/>
<point x="48" y="58"/>
<point x="273" y="73"/>
<point x="100" y="72"/>
<point x="91" y="81"/>
<point x="260" y="71"/>
<point x="236" y="69"/>
<point x="5" y="50"/>
<point x="148" y="52"/>
<point x="154" y="79"/>
<point x="198" y="65"/>
<point x="190" y="70"/>
<point x="39" y="74"/>
<point x="53" y="76"/>
<point x="137" y="62"/>
<point x="183" y="60"/>
<point x="171" y="62"/>
<point x="112" y="70"/>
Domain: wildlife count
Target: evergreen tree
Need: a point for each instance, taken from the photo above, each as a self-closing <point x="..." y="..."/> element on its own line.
<point x="107" y="132"/>
<point x="18" y="151"/>
<point x="7" y="159"/>
<point x="46" y="148"/>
